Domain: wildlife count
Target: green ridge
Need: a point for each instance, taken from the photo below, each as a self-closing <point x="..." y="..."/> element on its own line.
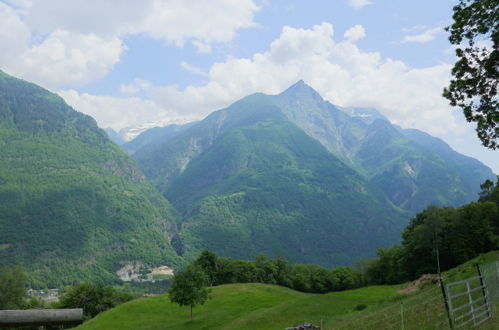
<point x="73" y="206"/>
<point x="249" y="181"/>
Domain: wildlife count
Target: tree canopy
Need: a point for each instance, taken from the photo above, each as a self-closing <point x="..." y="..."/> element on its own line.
<point x="93" y="298"/>
<point x="189" y="287"/>
<point x="474" y="86"/>
<point x="440" y="237"/>
<point x="12" y="287"/>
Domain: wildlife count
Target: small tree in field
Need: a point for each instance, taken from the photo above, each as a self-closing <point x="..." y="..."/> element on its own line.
<point x="189" y="287"/>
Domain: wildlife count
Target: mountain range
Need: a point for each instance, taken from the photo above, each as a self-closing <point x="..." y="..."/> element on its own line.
<point x="294" y="175"/>
<point x="289" y="174"/>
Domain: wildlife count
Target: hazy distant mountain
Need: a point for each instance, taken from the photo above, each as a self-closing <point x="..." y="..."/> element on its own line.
<point x="153" y="137"/>
<point x="73" y="206"/>
<point x="114" y="136"/>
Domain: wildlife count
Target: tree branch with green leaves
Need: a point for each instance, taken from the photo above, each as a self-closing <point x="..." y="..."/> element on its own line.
<point x="474" y="83"/>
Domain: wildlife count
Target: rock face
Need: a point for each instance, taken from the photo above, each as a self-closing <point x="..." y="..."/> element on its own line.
<point x="138" y="271"/>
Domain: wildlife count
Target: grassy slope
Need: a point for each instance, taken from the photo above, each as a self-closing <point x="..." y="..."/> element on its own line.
<point x="240" y="306"/>
<point x="260" y="306"/>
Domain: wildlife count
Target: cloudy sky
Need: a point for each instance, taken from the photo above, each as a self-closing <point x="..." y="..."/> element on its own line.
<point x="129" y="63"/>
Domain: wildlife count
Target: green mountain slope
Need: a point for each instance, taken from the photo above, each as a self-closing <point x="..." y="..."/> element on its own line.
<point x="412" y="176"/>
<point x="411" y="167"/>
<point x="249" y="181"/>
<point x="73" y="206"/>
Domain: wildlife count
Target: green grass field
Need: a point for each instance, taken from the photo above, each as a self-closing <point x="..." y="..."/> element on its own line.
<point x="260" y="306"/>
<point x="243" y="306"/>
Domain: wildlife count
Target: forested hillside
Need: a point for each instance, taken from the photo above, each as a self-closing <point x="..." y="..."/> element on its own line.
<point x="441" y="237"/>
<point x="292" y="174"/>
<point x="249" y="181"/>
<point x="73" y="206"/>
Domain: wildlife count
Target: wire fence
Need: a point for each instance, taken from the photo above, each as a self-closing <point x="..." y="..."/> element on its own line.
<point x="462" y="304"/>
<point x="490" y="273"/>
<point x="424" y="310"/>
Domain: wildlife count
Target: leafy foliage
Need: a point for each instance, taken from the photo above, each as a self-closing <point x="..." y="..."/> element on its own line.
<point x="189" y="287"/>
<point x="73" y="206"/>
<point x="12" y="287"/>
<point x="93" y="298"/>
<point x="476" y="73"/>
<point x="444" y="237"/>
<point x="305" y="278"/>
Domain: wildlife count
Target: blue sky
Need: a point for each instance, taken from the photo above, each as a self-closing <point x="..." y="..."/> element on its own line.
<point x="150" y="62"/>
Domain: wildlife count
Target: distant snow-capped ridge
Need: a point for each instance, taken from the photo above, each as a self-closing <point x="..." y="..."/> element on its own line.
<point x="129" y="133"/>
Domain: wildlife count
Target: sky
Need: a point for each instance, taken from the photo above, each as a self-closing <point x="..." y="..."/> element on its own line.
<point x="131" y="63"/>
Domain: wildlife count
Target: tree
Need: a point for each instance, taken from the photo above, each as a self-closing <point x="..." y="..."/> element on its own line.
<point x="189" y="287"/>
<point x="12" y="287"/>
<point x="267" y="269"/>
<point x="425" y="241"/>
<point x="208" y="261"/>
<point x="486" y="188"/>
<point x="476" y="73"/>
<point x="93" y="298"/>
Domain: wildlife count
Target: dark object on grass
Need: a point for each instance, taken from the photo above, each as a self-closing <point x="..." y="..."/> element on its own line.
<point x="305" y="326"/>
<point x="360" y="307"/>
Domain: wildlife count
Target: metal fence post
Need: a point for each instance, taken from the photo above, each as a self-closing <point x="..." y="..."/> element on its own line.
<point x="484" y="289"/>
<point x="446" y="302"/>
<point x="402" y="313"/>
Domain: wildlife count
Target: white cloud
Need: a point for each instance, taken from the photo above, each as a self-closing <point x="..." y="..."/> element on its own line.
<point x="192" y="69"/>
<point x="426" y="36"/>
<point x="14" y="35"/>
<point x="203" y="21"/>
<point x="358" y="4"/>
<point x="355" y="33"/>
<point x="136" y="86"/>
<point x="202" y="47"/>
<point x="170" y="20"/>
<point x="119" y="113"/>
<point x="340" y="71"/>
<point x="65" y="58"/>
<point x="59" y="43"/>
<point x="418" y="27"/>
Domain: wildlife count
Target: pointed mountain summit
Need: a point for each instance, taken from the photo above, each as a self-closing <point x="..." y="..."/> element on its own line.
<point x="333" y="128"/>
<point x="301" y="91"/>
<point x="402" y="163"/>
<point x="248" y="181"/>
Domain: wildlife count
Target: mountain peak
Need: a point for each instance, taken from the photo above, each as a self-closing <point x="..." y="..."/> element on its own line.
<point x="301" y="89"/>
